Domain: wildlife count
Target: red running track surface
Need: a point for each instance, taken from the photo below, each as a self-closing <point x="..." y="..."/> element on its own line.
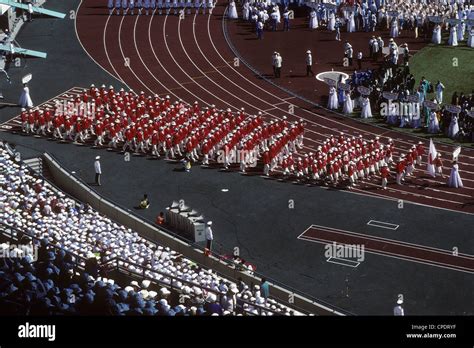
<point x="391" y="248"/>
<point x="190" y="59"/>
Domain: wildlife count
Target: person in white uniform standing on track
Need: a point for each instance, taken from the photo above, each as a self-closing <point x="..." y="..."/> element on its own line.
<point x="454" y="178"/>
<point x="98" y="170"/>
<point x="209" y="235"/>
<point x="175" y="7"/>
<point x="159" y="5"/>
<point x="398" y="310"/>
<point x="124" y="7"/>
<point x="187" y="6"/>
<point x="146" y="6"/>
<point x="210" y="5"/>
<point x="25" y="99"/>
<point x="110" y="6"/>
<point x="139" y="6"/>
<point x="197" y="4"/>
<point x="309" y="63"/>
<point x="232" y="14"/>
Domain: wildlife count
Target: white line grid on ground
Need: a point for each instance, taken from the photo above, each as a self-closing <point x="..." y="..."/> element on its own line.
<point x="394" y="256"/>
<point x="381" y="224"/>
<point x="377" y="238"/>
<point x="349" y="263"/>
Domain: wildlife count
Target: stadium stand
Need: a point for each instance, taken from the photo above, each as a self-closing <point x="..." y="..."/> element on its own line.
<point x="76" y="244"/>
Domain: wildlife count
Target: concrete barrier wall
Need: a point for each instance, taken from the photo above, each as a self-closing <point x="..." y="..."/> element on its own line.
<point x="70" y="184"/>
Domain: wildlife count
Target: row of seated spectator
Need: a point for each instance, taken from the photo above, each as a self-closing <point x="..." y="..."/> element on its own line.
<point x="54" y="285"/>
<point x="39" y="210"/>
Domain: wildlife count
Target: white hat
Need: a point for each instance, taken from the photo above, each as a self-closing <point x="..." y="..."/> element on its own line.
<point x="209" y="223"/>
<point x="211" y="297"/>
<point x="399" y="301"/>
<point x="308" y="51"/>
<point x="97" y="157"/>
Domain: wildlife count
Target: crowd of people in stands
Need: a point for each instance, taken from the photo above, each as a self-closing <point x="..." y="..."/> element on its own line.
<point x="54" y="284"/>
<point x="34" y="209"/>
<point x="156" y="126"/>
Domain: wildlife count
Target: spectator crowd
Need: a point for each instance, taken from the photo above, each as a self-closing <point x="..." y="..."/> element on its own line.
<point x="73" y="235"/>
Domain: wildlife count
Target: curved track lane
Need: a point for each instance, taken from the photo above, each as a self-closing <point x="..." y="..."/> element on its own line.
<point x="191" y="60"/>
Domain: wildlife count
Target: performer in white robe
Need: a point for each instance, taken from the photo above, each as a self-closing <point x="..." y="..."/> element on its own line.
<point x="453" y="37"/>
<point x="416" y="120"/>
<point x="404" y="115"/>
<point x="313" y="20"/>
<point x="470" y="40"/>
<point x="246" y="11"/>
<point x="232" y="10"/>
<point x="348" y="107"/>
<point x="433" y="127"/>
<point x="25" y="99"/>
<point x="461" y="28"/>
<point x="333" y="102"/>
<point x="392" y="117"/>
<point x="366" y="109"/>
<point x="110" y="6"/>
<point x="394" y="28"/>
<point x="351" y="23"/>
<point x="332" y="22"/>
<point x="454" y="178"/>
<point x="453" y="127"/>
<point x="439" y="88"/>
<point x="277" y="10"/>
<point x="436" y="39"/>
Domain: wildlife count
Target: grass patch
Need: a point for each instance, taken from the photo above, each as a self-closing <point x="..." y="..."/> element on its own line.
<point x="453" y="66"/>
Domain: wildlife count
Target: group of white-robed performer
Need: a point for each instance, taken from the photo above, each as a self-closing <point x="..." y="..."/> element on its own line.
<point x="435" y="166"/>
<point x="147" y="7"/>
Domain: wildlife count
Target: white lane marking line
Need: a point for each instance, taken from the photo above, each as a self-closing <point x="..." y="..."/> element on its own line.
<point x="348" y="264"/>
<point x="387" y="254"/>
<point x="129" y="65"/>
<point x="393" y="241"/>
<point x="80" y="42"/>
<point x="159" y="62"/>
<point x="172" y="57"/>
<point x="393" y="199"/>
<point x="104" y="42"/>
<point x="382" y="224"/>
